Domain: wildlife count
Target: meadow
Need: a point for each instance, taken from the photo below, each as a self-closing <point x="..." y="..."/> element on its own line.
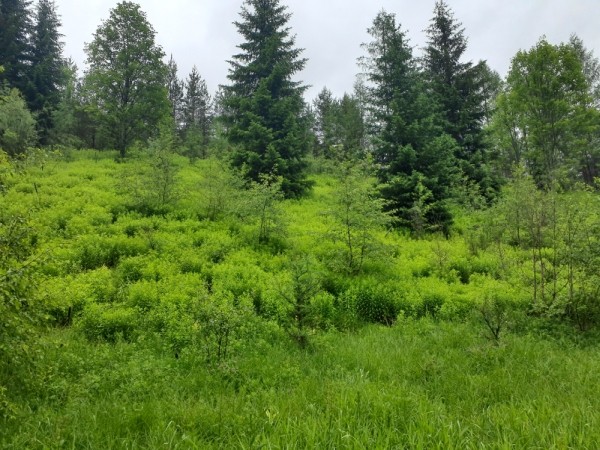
<point x="154" y="303"/>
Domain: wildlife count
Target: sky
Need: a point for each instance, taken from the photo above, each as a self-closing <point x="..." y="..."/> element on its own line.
<point x="201" y="32"/>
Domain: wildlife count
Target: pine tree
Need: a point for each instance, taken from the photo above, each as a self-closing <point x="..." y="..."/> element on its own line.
<point x="15" y="48"/>
<point x="48" y="67"/>
<point x="197" y="114"/>
<point x="263" y="105"/>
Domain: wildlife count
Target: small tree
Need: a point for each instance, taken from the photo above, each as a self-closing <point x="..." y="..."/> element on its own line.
<point x="17" y="125"/>
<point x="304" y="284"/>
<point x="220" y="189"/>
<point x="261" y="204"/>
<point x="357" y="214"/>
<point x="152" y="184"/>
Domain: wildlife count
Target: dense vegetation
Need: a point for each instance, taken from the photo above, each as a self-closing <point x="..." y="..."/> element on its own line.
<point x="413" y="265"/>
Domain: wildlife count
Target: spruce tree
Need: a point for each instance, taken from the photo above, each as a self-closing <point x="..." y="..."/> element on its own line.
<point x="323" y="110"/>
<point x="175" y="90"/>
<point x="48" y="67"/>
<point x="458" y="87"/>
<point x="338" y="126"/>
<point x="197" y="114"/>
<point x="414" y="155"/>
<point x="263" y="105"/>
<point x="15" y="47"/>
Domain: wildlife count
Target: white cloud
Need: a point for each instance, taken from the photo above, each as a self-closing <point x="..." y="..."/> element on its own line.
<point x="201" y="32"/>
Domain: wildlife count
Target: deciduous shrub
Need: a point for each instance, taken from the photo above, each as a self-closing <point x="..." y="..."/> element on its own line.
<point x="108" y="323"/>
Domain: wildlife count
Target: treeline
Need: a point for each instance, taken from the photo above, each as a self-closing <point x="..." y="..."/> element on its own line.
<point x="441" y="129"/>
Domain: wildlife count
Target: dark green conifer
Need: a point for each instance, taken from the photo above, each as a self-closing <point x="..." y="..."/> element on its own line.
<point x="263" y="106"/>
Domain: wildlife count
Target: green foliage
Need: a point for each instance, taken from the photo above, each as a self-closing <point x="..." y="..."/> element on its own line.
<point x="263" y="107"/>
<point x="126" y="77"/>
<point x="339" y="126"/>
<point x="15" y="28"/>
<point x="107" y="323"/>
<point x="17" y="125"/>
<point x="20" y="312"/>
<point x="357" y="215"/>
<point x="409" y="143"/>
<point x="260" y="205"/>
<point x="152" y="186"/>
<point x="372" y="302"/>
<point x="556" y="236"/>
<point x="93" y="253"/>
<point x="461" y="91"/>
<point x="220" y="190"/>
<point x="222" y="323"/>
<point x="47" y="67"/>
<point x="545" y="119"/>
<point x="197" y="116"/>
<point x="303" y="285"/>
<point x="164" y="322"/>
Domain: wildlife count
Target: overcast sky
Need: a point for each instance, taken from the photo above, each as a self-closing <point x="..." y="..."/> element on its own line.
<point x="201" y="32"/>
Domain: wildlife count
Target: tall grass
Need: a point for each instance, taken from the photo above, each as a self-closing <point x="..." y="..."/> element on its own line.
<point x="136" y="299"/>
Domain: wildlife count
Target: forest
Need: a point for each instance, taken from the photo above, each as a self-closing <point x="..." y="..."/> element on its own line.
<point x="411" y="265"/>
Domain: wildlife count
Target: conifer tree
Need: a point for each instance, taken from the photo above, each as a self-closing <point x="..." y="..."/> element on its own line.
<point x="338" y="125"/>
<point x="263" y="105"/>
<point x="15" y="47"/>
<point x="458" y="87"/>
<point x="48" y="67"/>
<point x="414" y="155"/>
<point x="197" y="113"/>
<point x="175" y="88"/>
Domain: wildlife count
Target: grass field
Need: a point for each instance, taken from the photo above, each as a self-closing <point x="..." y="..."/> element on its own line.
<point x="170" y="324"/>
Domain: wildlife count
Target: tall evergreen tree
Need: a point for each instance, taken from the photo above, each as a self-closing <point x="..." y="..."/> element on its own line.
<point x="175" y="88"/>
<point x="48" y="67"/>
<point x="415" y="157"/>
<point x="126" y="76"/>
<point x="197" y="113"/>
<point x="338" y="125"/>
<point x="15" y="47"/>
<point x="263" y="105"/>
<point x="459" y="89"/>
<point x="323" y="108"/>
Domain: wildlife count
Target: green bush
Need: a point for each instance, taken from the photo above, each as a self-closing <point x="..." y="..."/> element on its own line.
<point x="372" y="301"/>
<point x="94" y="252"/>
<point x="108" y="323"/>
<point x="143" y="295"/>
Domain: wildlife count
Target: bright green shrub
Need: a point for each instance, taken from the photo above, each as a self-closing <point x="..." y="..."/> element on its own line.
<point x="94" y="252"/>
<point x="372" y="301"/>
<point x="321" y="311"/>
<point x="108" y="323"/>
<point x="191" y="264"/>
<point x="242" y="276"/>
<point x="222" y="324"/>
<point x="143" y="295"/>
<point x="131" y="269"/>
